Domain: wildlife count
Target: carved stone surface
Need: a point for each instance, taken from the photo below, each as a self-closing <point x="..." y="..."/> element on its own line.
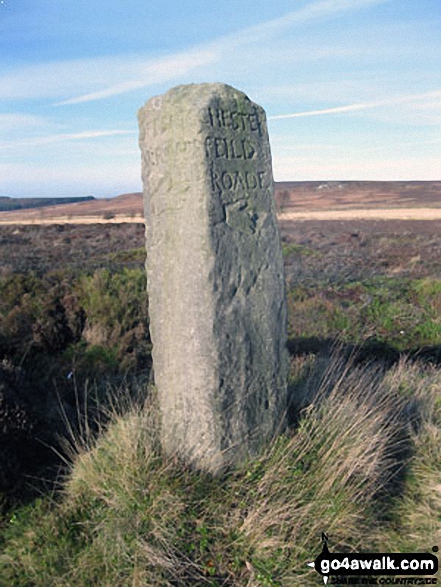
<point x="215" y="274"/>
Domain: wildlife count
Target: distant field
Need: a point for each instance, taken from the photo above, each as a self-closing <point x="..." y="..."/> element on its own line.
<point x="361" y="195"/>
<point x="319" y="248"/>
<point x="10" y="204"/>
<point x="346" y="200"/>
<point x="124" y="208"/>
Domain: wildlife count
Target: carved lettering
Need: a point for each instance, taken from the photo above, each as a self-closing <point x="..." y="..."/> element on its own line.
<point x="250" y="180"/>
<point x="161" y="154"/>
<point x="234" y="155"/>
<point x="220" y="148"/>
<point x="246" y="121"/>
<point x="248" y="149"/>
<point x="235" y="180"/>
<point x="234" y="122"/>
<point x="215" y="186"/>
<point x="238" y="180"/>
<point x="255" y="122"/>
<point x="227" y="180"/>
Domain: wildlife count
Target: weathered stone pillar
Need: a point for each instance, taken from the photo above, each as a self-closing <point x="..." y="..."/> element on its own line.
<point x="215" y="274"/>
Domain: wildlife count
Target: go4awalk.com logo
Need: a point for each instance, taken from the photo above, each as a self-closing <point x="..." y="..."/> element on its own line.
<point x="364" y="569"/>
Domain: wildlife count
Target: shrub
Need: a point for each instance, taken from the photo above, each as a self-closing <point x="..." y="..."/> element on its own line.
<point x="116" y="302"/>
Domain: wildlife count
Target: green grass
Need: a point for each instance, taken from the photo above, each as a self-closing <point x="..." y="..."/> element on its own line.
<point x="128" y="515"/>
<point x="289" y="249"/>
<point x="110" y="309"/>
<point x="363" y="462"/>
<point x="129" y="256"/>
<point x="403" y="313"/>
<point x="115" y="302"/>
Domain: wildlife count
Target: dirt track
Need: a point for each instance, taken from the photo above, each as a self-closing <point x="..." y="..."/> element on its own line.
<point x="362" y="214"/>
<point x="119" y="219"/>
<point x="380" y="214"/>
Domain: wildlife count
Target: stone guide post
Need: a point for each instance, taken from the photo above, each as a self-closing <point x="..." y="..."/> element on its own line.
<point x="215" y="274"/>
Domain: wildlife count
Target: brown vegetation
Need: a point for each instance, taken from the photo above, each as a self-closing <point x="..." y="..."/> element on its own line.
<point x="307" y="198"/>
<point x="361" y="456"/>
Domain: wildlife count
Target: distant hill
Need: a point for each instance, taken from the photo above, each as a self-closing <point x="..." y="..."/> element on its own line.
<point x="413" y="199"/>
<point x="8" y="204"/>
<point x="343" y="195"/>
<point x="85" y="210"/>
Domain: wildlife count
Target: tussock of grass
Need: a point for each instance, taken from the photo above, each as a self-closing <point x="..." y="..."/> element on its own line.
<point x="325" y="477"/>
<point x="129" y="516"/>
<point x="416" y="514"/>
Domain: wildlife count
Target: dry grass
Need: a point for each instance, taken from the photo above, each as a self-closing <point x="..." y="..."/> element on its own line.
<point x="417" y="513"/>
<point x="128" y="515"/>
<point x="325" y="477"/>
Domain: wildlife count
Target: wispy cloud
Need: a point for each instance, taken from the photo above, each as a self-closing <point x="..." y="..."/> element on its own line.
<point x="173" y="66"/>
<point x="158" y="71"/>
<point x="361" y="106"/>
<point x="55" y="79"/>
<point x="63" y="137"/>
<point x="310" y="12"/>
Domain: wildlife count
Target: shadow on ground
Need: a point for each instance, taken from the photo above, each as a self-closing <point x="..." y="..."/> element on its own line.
<point x="370" y="351"/>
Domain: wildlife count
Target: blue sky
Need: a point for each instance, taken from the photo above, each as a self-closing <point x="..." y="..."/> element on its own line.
<point x="352" y="88"/>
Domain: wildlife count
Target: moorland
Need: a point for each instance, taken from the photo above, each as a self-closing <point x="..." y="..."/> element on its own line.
<point x="8" y="204"/>
<point x="87" y="496"/>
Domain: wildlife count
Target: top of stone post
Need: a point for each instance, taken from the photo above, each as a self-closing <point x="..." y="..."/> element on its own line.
<point x="187" y="102"/>
<point x="198" y="93"/>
